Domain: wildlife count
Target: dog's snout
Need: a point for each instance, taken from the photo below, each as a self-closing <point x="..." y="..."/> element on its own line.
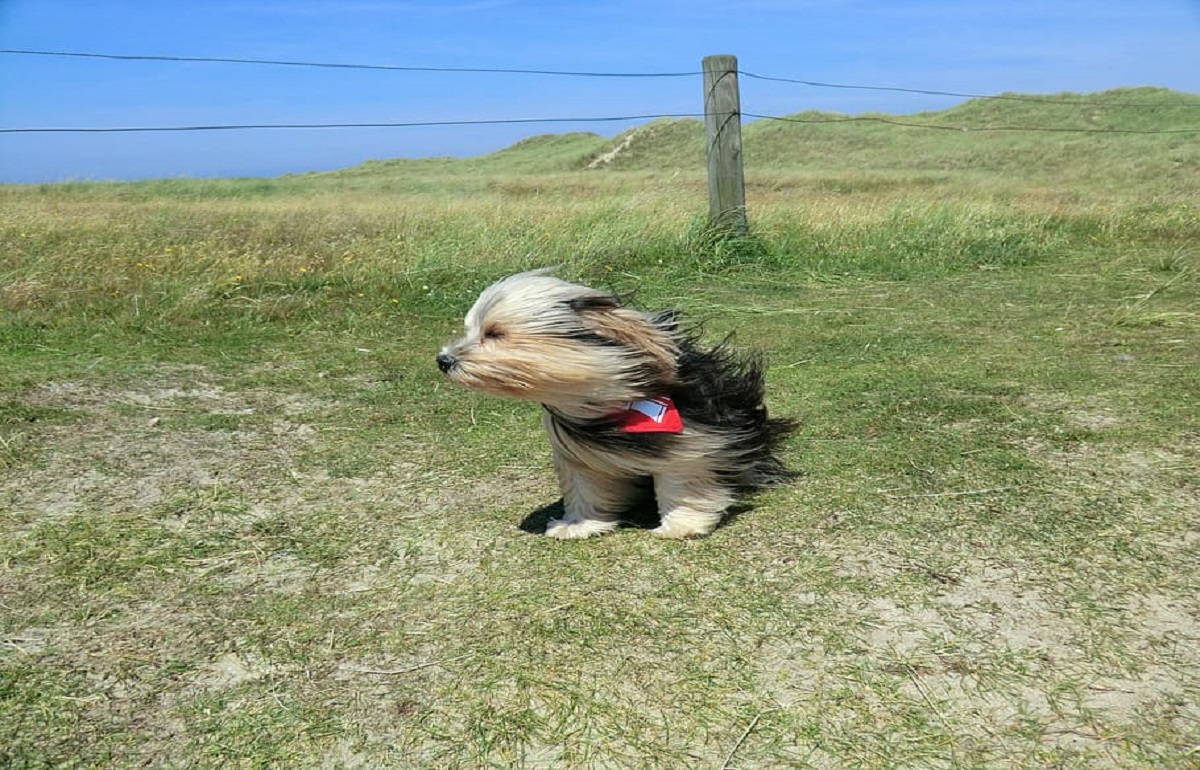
<point x="446" y="362"/>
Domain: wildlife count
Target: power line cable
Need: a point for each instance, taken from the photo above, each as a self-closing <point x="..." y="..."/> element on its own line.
<point x="570" y="73"/>
<point x="972" y="129"/>
<point x="751" y="75"/>
<point x="1003" y="97"/>
<point x="334" y="65"/>
<point x="600" y="119"/>
<point x="404" y="124"/>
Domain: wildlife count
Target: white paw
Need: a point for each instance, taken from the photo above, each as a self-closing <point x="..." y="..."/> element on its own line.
<point x="572" y="530"/>
<point x="680" y="529"/>
<point x="675" y="533"/>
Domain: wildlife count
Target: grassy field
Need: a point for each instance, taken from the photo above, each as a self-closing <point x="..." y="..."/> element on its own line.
<point x="244" y="523"/>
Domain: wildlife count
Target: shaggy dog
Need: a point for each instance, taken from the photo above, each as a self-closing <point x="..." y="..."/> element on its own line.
<point x="631" y="402"/>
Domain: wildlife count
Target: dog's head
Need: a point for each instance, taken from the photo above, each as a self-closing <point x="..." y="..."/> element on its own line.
<point x="537" y="337"/>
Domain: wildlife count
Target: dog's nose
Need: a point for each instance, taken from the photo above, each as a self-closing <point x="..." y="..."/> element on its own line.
<point x="446" y="362"/>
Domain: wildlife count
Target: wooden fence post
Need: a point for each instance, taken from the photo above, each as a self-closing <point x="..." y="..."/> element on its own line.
<point x="723" y="132"/>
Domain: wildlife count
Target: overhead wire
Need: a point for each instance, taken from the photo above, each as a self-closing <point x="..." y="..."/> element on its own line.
<point x="346" y="65"/>
<point x="398" y="124"/>
<point x="962" y="95"/>
<point x="588" y="74"/>
<point x="969" y="129"/>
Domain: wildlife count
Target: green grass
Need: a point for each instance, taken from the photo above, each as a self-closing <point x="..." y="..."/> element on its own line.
<point x="245" y="523"/>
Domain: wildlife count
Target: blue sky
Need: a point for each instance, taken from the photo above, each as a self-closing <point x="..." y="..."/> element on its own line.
<point x="983" y="47"/>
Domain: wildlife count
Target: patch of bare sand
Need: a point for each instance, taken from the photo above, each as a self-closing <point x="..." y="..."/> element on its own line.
<point x="232" y="669"/>
<point x="1003" y="650"/>
<point x="128" y="448"/>
<point x="996" y="659"/>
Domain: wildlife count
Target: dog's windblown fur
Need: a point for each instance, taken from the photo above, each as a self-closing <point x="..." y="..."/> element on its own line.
<point x="590" y="361"/>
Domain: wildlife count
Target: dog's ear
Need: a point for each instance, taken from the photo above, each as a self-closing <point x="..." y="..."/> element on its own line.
<point x="594" y="302"/>
<point x="603" y="316"/>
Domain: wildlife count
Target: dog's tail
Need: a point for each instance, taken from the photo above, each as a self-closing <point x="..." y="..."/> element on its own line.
<point x="768" y="470"/>
<point x="723" y="388"/>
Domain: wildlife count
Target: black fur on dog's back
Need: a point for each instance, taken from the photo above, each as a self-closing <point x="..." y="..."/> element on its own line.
<point x="715" y="387"/>
<point x="725" y="389"/>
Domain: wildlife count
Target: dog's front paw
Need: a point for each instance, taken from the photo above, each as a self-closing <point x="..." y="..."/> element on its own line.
<point x="679" y="528"/>
<point x="676" y="533"/>
<point x="572" y="530"/>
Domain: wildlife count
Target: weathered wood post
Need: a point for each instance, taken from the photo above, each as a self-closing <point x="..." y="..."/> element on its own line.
<point x="723" y="131"/>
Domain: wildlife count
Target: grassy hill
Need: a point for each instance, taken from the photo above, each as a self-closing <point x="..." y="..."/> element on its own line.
<point x="990" y="134"/>
<point x="1122" y="143"/>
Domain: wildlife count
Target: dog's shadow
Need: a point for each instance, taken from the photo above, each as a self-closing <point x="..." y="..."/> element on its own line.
<point x="641" y="515"/>
<point x="535" y="523"/>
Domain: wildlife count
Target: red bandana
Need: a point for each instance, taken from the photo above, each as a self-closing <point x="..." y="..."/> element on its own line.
<point x="651" y="415"/>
